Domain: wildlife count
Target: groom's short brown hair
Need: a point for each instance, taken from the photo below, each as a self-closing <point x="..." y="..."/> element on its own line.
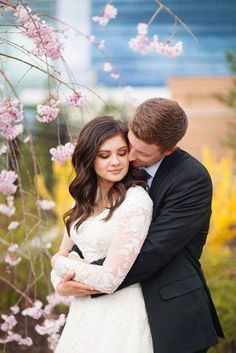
<point x="159" y="121"/>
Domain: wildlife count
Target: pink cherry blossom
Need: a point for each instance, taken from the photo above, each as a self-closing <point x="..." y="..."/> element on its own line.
<point x="7" y="178"/>
<point x="27" y="139"/>
<point x="13" y="225"/>
<point x="27" y="341"/>
<point x="15" y="309"/>
<point x="48" y="113"/>
<point x="142" y="29"/>
<point x="77" y="99"/>
<point x="13" y="247"/>
<point x="44" y="37"/>
<point x="46" y="204"/>
<point x="92" y="39"/>
<point x="16" y="337"/>
<point x="144" y="45"/>
<point x="12" y="261"/>
<point x="140" y="44"/>
<point x="3" y="149"/>
<point x="115" y="75"/>
<point x="9" y="209"/>
<point x="101" y="44"/>
<point x="129" y="96"/>
<point x="22" y="13"/>
<point x="107" y="67"/>
<point x="35" y="311"/>
<point x="109" y="13"/>
<point x="51" y="328"/>
<point x="55" y="299"/>
<point x="167" y="49"/>
<point x="11" y="113"/>
<point x="9" y="322"/>
<point x="61" y="153"/>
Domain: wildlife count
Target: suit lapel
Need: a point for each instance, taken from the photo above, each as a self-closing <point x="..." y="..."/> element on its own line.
<point x="165" y="167"/>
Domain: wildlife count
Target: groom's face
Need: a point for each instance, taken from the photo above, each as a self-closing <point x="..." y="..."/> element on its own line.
<point x="142" y="154"/>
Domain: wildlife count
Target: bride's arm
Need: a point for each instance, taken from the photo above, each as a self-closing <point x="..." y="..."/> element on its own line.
<point x="64" y="249"/>
<point x="134" y="221"/>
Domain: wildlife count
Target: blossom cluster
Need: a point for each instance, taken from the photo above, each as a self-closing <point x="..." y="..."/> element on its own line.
<point x="100" y="44"/>
<point x="61" y="153"/>
<point x="12" y="261"/>
<point x="50" y="327"/>
<point x="11" y="258"/>
<point x="107" y="67"/>
<point x="109" y="13"/>
<point x="7" y="179"/>
<point x="11" y="114"/>
<point x="144" y="45"/>
<point x="44" y="37"/>
<point x="77" y="99"/>
<point x="35" y="311"/>
<point x="48" y="113"/>
<point x="46" y="204"/>
<point x="3" y="149"/>
<point x="8" y="209"/>
<point x="54" y="300"/>
<point x="9" y="322"/>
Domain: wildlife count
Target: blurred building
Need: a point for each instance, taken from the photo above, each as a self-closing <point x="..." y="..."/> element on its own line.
<point x="192" y="78"/>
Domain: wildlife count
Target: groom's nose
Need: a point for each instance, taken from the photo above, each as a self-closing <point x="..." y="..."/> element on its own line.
<point x="132" y="154"/>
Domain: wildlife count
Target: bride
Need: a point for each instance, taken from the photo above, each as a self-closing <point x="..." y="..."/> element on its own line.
<point x="110" y="218"/>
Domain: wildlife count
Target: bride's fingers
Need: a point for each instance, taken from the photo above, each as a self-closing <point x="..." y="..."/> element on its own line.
<point x="83" y="286"/>
<point x="68" y="276"/>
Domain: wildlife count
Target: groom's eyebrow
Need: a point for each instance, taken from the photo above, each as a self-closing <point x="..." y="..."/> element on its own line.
<point x="144" y="153"/>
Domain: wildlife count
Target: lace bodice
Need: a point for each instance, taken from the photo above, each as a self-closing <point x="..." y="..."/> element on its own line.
<point x="119" y="240"/>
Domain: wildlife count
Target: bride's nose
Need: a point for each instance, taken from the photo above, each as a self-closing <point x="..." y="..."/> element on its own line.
<point x="114" y="159"/>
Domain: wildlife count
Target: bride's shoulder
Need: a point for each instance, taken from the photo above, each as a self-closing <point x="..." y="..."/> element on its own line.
<point x="138" y="195"/>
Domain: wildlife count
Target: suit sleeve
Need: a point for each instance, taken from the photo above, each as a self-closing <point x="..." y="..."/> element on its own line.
<point x="186" y="209"/>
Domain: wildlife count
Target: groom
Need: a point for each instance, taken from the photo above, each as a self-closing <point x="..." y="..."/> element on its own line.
<point x="181" y="313"/>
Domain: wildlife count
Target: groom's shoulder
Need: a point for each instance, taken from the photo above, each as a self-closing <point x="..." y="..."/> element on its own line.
<point x="189" y="164"/>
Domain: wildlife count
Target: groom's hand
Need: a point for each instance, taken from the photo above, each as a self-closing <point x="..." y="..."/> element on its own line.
<point x="69" y="287"/>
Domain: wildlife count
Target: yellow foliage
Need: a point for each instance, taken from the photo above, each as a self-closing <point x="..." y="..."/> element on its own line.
<point x="223" y="220"/>
<point x="43" y="192"/>
<point x="62" y="177"/>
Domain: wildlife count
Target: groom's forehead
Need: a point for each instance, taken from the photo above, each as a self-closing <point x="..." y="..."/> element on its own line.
<point x="136" y="142"/>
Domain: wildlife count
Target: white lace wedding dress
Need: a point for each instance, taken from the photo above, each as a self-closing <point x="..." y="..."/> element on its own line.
<point x="117" y="322"/>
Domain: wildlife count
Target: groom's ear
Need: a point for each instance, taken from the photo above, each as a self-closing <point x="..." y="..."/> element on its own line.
<point x="170" y="150"/>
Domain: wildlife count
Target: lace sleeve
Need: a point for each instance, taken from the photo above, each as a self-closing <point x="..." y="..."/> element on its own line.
<point x="133" y="220"/>
<point x="55" y="279"/>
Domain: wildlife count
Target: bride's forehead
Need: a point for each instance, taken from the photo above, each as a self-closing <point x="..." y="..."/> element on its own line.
<point x="114" y="142"/>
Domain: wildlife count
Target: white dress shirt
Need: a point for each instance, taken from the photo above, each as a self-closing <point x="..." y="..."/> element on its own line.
<point x="151" y="170"/>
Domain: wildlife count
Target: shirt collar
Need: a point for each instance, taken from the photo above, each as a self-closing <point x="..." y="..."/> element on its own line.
<point x="152" y="169"/>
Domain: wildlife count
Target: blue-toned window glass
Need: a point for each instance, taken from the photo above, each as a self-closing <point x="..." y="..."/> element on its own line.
<point x="213" y="23"/>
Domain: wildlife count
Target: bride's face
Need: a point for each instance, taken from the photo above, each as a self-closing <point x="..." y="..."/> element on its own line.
<point x="111" y="163"/>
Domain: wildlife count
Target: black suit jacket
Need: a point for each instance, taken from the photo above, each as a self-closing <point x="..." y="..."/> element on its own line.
<point x="181" y="313"/>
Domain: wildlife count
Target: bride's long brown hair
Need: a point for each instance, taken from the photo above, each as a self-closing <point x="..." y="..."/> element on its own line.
<point x="84" y="187"/>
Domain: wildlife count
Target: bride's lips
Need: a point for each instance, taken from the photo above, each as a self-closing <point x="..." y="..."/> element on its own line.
<point x="115" y="171"/>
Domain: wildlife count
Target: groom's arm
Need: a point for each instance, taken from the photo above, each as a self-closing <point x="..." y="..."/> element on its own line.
<point x="186" y="210"/>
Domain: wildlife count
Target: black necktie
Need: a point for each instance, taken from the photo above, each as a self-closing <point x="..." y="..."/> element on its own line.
<point x="146" y="174"/>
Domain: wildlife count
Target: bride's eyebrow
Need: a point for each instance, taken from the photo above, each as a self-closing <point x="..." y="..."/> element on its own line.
<point x="121" y="148"/>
